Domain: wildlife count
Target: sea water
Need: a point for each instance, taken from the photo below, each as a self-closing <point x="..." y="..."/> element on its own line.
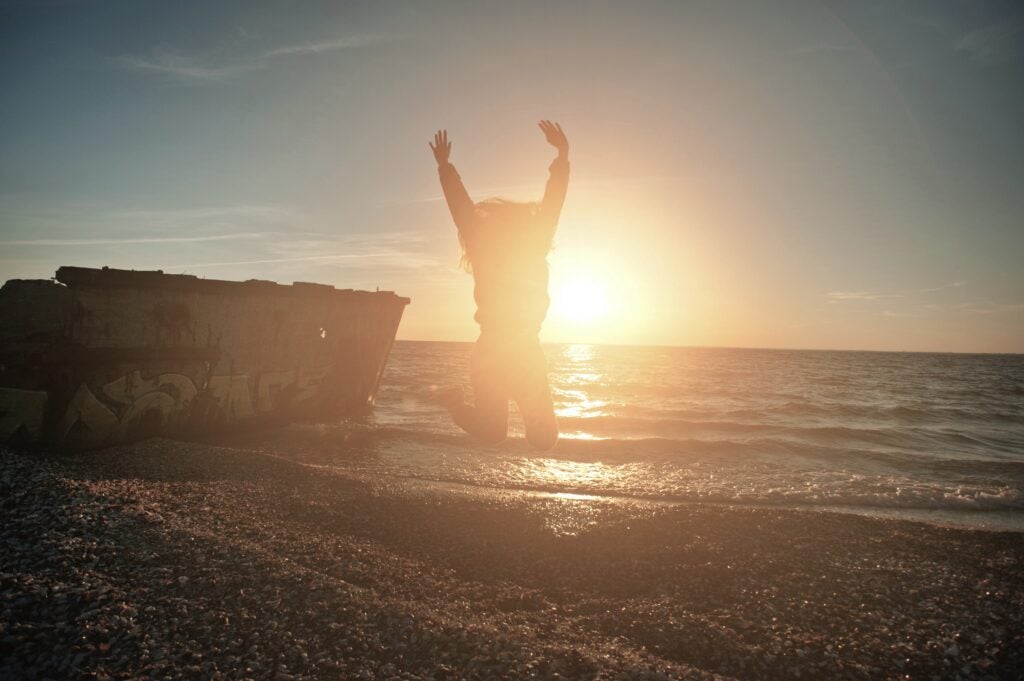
<point x="937" y="437"/>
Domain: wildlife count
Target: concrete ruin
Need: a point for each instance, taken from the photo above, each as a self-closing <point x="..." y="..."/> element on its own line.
<point x="97" y="357"/>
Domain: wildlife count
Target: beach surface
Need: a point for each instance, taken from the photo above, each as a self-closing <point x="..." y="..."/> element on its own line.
<point x="166" y="559"/>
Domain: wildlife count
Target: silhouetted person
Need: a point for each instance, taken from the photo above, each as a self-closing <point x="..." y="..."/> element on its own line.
<point x="505" y="244"/>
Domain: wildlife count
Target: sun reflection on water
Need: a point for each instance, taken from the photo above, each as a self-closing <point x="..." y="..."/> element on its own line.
<point x="556" y="472"/>
<point x="578" y="405"/>
<point x="580" y="435"/>
<point x="579" y="352"/>
<point x="580" y="377"/>
<point x="575" y="497"/>
<point x="578" y="372"/>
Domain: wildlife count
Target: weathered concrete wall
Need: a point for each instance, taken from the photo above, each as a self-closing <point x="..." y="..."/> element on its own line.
<point x="104" y="356"/>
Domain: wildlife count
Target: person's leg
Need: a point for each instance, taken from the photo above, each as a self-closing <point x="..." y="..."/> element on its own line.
<point x="533" y="395"/>
<point x="487" y="418"/>
<point x="539" y="418"/>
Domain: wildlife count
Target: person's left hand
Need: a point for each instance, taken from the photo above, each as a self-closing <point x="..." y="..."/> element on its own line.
<point x="554" y="135"/>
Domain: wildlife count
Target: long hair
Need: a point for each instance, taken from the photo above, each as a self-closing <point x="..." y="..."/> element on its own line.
<point x="496" y="215"/>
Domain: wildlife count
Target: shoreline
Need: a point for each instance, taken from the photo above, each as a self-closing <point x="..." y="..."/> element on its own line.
<point x="1002" y="521"/>
<point x="169" y="558"/>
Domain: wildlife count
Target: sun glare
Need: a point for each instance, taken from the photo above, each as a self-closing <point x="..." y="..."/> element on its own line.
<point x="581" y="300"/>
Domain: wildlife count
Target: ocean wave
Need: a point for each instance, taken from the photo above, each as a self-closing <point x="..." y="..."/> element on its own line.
<point x="669" y="470"/>
<point x="797" y="409"/>
<point x="786" y="428"/>
<point x="823" y="447"/>
<point x="880" y="495"/>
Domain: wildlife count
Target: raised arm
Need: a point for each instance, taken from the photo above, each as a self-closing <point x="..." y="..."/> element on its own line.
<point x="558" y="180"/>
<point x="459" y="203"/>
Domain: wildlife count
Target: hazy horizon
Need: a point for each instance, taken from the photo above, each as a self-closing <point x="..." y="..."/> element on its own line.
<point x="718" y="347"/>
<point x="814" y="176"/>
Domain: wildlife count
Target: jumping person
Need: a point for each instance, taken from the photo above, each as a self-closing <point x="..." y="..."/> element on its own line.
<point x="505" y="245"/>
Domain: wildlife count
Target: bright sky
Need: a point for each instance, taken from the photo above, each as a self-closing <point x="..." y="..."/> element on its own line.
<point x="808" y="174"/>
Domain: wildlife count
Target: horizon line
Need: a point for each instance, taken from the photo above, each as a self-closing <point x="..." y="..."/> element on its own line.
<point x="733" y="347"/>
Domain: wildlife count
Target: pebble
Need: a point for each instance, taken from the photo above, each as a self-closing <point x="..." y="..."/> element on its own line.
<point x="251" y="579"/>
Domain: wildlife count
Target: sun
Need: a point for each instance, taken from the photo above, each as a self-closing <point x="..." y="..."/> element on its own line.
<point x="580" y="300"/>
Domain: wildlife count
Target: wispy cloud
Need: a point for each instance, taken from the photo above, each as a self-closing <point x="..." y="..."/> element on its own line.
<point x="516" y="192"/>
<point x="185" y="68"/>
<point x="308" y="258"/>
<point x="272" y="240"/>
<point x="944" y="287"/>
<point x="328" y="45"/>
<point x="75" y="225"/>
<point x="840" y="296"/>
<point x="820" y="48"/>
<point x="994" y="44"/>
<point x="400" y="242"/>
<point x="213" y="219"/>
<point x="535" y="190"/>
<point x="870" y="296"/>
<point x="261" y="212"/>
<point x="923" y="301"/>
<point x="989" y="307"/>
<point x="141" y="240"/>
<point x="378" y="251"/>
<point x="197" y="71"/>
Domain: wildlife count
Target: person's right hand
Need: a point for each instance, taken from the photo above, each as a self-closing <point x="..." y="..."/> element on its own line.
<point x="441" y="147"/>
<point x="554" y="136"/>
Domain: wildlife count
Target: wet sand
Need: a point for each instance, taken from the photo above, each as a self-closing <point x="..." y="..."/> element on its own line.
<point x="183" y="560"/>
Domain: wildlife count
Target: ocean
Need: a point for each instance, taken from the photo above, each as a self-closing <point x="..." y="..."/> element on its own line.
<point x="933" y="437"/>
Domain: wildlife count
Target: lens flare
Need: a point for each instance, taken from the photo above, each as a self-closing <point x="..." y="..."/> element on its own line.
<point x="580" y="300"/>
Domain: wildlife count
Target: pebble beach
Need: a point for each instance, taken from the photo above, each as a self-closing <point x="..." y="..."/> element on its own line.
<point x="169" y="560"/>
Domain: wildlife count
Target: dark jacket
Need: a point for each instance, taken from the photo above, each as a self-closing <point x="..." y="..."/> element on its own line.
<point x="508" y="258"/>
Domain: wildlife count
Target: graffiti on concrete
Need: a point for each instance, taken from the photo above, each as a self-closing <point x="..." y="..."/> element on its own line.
<point x="231" y="396"/>
<point x="134" y="405"/>
<point x="281" y="388"/>
<point x="86" y="420"/>
<point x="275" y="387"/>
<point x="100" y="356"/>
<point x="21" y="413"/>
